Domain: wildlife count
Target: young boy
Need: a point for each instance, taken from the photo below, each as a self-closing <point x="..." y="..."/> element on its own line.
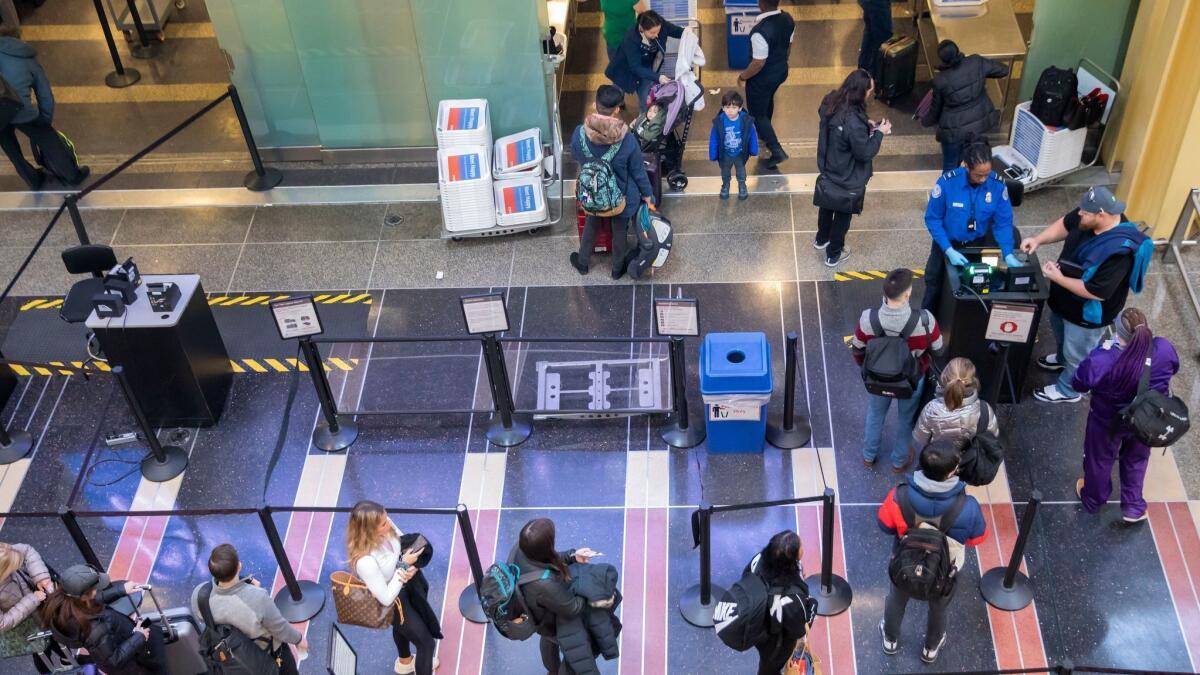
<point x="732" y="141"/>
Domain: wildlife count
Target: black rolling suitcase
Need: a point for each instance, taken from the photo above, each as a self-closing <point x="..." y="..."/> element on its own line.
<point x="897" y="70"/>
<point x="181" y="637"/>
<point x="654" y="172"/>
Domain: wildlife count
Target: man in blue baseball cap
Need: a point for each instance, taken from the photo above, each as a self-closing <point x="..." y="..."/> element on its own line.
<point x="1103" y="257"/>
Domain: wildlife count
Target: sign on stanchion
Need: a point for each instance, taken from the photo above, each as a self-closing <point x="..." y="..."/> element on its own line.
<point x="486" y="315"/>
<point x="1008" y="323"/>
<point x="677" y="318"/>
<point x="796" y="431"/>
<point x="1008" y="588"/>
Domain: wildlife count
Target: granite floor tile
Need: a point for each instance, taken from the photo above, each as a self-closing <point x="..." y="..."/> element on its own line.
<point x="877" y="250"/>
<point x="475" y="263"/>
<point x="882" y="210"/>
<point x="196" y="225"/>
<point x="21" y="228"/>
<point x="214" y="263"/>
<point x="416" y="220"/>
<point x="337" y="223"/>
<point x="760" y="213"/>
<point x="698" y="258"/>
<point x="287" y="267"/>
<point x="45" y="274"/>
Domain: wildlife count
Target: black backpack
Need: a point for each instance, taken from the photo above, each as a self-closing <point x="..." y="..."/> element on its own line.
<point x="502" y="601"/>
<point x="1055" y="89"/>
<point x="229" y="651"/>
<point x="980" y="460"/>
<point x="921" y="564"/>
<point x="1157" y="420"/>
<point x="740" y="617"/>
<point x="889" y="367"/>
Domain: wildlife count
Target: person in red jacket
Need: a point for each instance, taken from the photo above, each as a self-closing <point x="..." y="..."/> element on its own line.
<point x="932" y="491"/>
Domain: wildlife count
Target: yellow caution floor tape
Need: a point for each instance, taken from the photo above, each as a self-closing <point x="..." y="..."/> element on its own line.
<point x="870" y="275"/>
<point x="261" y="365"/>
<point x="229" y="300"/>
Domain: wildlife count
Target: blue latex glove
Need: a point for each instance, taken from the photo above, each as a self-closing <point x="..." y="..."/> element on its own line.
<point x="955" y="257"/>
<point x="1013" y="260"/>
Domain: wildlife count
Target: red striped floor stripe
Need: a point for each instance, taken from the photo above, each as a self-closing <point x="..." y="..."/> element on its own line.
<point x="137" y="548"/>
<point x="1189" y="540"/>
<point x="1176" y="569"/>
<point x="656" y="603"/>
<point x="633" y="587"/>
<point x="461" y="652"/>
<point x="1016" y="636"/>
<point x="832" y="638"/>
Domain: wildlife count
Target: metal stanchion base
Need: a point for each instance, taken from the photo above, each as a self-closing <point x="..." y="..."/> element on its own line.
<point x="269" y="179"/>
<point x="160" y="472"/>
<point x="797" y="437"/>
<point x="469" y="607"/>
<point x="684" y="438"/>
<point x="121" y="80"/>
<point x="331" y="441"/>
<point x="22" y="443"/>
<point x="144" y="52"/>
<point x="312" y="600"/>
<point x="696" y="613"/>
<point x="991" y="587"/>
<point x="834" y="600"/>
<point x="522" y="427"/>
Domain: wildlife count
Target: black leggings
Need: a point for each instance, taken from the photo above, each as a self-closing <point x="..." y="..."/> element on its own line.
<point x="413" y="632"/>
<point x="773" y="655"/>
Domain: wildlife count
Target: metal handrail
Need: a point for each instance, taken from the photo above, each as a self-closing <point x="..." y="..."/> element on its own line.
<point x="1178" y="239"/>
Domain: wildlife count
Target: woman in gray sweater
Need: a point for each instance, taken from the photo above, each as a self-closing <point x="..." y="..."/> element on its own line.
<point x="953" y="414"/>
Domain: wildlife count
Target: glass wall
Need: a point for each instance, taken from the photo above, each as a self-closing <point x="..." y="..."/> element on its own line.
<point x="370" y="73"/>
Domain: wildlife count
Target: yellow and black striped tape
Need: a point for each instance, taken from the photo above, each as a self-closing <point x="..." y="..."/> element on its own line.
<point x="261" y="365"/>
<point x="870" y="275"/>
<point x="231" y="300"/>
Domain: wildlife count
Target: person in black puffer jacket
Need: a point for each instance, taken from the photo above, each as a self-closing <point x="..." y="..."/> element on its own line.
<point x="597" y="584"/>
<point x="846" y="146"/>
<point x="960" y="106"/>
<point x="555" y="608"/>
<point x="779" y="565"/>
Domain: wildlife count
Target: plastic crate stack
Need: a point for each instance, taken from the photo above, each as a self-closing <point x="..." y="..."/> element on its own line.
<point x="520" y="197"/>
<point x="464" y="135"/>
<point x="1051" y="150"/>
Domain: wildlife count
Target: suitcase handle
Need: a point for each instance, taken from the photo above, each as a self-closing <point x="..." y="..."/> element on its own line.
<point x="168" y="630"/>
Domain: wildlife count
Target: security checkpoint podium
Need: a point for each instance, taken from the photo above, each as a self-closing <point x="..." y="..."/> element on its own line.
<point x="175" y="360"/>
<point x="991" y="317"/>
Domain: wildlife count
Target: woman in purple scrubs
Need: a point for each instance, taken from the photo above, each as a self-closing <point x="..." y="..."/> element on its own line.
<point x="1111" y="374"/>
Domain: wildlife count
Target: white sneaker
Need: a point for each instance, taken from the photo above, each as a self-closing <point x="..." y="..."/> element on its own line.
<point x="832" y="262"/>
<point x="405" y="668"/>
<point x="1050" y="362"/>
<point x="930" y="655"/>
<point x="1135" y="521"/>
<point x="1051" y="394"/>
<point x="890" y="647"/>
<point x="820" y="246"/>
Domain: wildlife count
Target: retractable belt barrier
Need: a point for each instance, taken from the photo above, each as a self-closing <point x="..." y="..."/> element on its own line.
<point x="300" y="600"/>
<point x="833" y="594"/>
<point x="1067" y="667"/>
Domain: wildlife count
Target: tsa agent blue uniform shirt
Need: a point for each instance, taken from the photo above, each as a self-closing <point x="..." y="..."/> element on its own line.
<point x="954" y="203"/>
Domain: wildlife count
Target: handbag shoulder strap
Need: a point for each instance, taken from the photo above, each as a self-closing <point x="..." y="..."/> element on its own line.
<point x="1144" y="382"/>
<point x="984" y="421"/>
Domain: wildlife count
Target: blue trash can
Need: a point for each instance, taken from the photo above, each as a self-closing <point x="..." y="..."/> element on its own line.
<point x="739" y="21"/>
<point x="735" y="382"/>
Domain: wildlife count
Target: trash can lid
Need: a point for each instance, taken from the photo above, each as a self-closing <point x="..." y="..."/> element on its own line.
<point x="735" y="363"/>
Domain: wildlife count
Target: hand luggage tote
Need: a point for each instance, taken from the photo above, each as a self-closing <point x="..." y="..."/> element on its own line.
<point x="896" y="73"/>
<point x="181" y="637"/>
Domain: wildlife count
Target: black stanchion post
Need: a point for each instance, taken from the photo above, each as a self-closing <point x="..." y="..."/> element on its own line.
<point x="14" y="445"/>
<point x="144" y="49"/>
<point x="164" y="462"/>
<point x="261" y="178"/>
<point x="834" y="594"/>
<point x="1007" y="587"/>
<point x="299" y="601"/>
<point x="77" y="536"/>
<point x="468" y="600"/>
<point x="72" y="202"/>
<point x="507" y="429"/>
<point x="683" y="434"/>
<point x="794" y="433"/>
<point x="335" y="432"/>
<point x="698" y="602"/>
<point x="122" y="76"/>
<point x="999" y="368"/>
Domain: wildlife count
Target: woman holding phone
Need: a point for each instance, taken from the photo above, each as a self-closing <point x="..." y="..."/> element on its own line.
<point x="389" y="562"/>
<point x="549" y="598"/>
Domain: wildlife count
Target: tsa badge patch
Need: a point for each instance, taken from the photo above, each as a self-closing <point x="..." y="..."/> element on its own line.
<point x="936" y="192"/>
<point x="1004" y="194"/>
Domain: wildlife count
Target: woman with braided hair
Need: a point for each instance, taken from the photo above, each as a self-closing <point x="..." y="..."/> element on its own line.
<point x="1112" y="373"/>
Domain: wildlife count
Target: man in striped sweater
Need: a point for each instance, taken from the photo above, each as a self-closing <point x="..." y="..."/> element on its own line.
<point x="925" y="337"/>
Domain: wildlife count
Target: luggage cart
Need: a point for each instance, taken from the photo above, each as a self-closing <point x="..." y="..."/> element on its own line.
<point x="1090" y="76"/>
<point x="154" y="15"/>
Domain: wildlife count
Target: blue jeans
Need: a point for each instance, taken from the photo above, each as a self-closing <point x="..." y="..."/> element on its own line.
<point x="951" y="156"/>
<point x="877" y="28"/>
<point x="729" y="164"/>
<point x="906" y="411"/>
<point x="1074" y="344"/>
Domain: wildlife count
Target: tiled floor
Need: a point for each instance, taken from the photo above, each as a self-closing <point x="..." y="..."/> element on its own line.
<point x="1107" y="597"/>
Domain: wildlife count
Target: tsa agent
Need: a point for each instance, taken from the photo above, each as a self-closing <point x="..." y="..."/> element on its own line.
<point x="967" y="207"/>
<point x="770" y="42"/>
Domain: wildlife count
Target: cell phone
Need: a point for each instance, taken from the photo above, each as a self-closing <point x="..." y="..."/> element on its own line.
<point x="418" y="544"/>
<point x="1014" y="173"/>
<point x="1070" y="270"/>
<point x="248" y="579"/>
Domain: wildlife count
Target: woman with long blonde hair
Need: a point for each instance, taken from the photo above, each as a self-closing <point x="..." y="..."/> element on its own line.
<point x="391" y="571"/>
<point x="24" y="584"/>
<point x="953" y="414"/>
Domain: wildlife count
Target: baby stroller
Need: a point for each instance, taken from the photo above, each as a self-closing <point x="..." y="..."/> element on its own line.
<point x="663" y="129"/>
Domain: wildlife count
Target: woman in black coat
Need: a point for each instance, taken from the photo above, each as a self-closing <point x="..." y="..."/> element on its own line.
<point x="779" y="565"/>
<point x="960" y="106"/>
<point x="634" y="67"/>
<point x="846" y="145"/>
<point x="549" y="599"/>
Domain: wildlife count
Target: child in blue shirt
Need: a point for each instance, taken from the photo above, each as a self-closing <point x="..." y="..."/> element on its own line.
<point x="732" y="141"/>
